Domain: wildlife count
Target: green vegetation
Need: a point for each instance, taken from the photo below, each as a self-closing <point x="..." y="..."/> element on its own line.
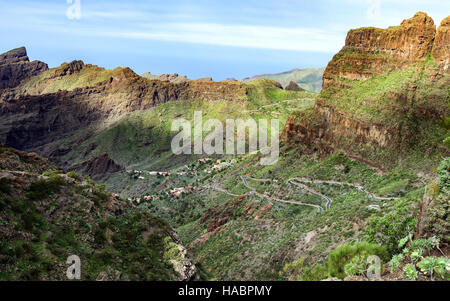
<point x="444" y="175"/>
<point x="389" y="229"/>
<point x="413" y="259"/>
<point x="5" y="186"/>
<point x="347" y="260"/>
<point x="54" y="220"/>
<point x="42" y="189"/>
<point x="89" y="75"/>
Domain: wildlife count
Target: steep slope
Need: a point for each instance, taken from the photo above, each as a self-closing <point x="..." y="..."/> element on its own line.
<point x="309" y="79"/>
<point x="16" y="67"/>
<point x="69" y="113"/>
<point x="385" y="97"/>
<point x="45" y="217"/>
<point x="75" y="96"/>
<point x="354" y="170"/>
<point x="373" y="51"/>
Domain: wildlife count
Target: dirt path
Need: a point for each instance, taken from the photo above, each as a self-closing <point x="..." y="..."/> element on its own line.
<point x="296" y="182"/>
<point x="378" y="167"/>
<point x="362" y="188"/>
<point x="253" y="191"/>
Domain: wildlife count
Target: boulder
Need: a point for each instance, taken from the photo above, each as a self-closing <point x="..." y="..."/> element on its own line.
<point x="293" y="87"/>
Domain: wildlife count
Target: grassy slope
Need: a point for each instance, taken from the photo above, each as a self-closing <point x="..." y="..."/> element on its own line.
<point x="249" y="248"/>
<point x="374" y="100"/>
<point x="46" y="218"/>
<point x="409" y="101"/>
<point x="88" y="76"/>
<point x="142" y="140"/>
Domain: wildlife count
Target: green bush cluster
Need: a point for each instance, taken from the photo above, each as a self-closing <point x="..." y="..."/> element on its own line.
<point x="444" y="175"/>
<point x="351" y="259"/>
<point x="42" y="189"/>
<point x="412" y="259"/>
<point x="73" y="175"/>
<point x="389" y="229"/>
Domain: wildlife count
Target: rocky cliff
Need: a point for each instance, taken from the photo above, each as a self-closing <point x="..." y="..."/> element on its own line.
<point x="56" y="103"/>
<point x="373" y="51"/>
<point x="15" y="66"/>
<point x="386" y="89"/>
<point x="441" y="48"/>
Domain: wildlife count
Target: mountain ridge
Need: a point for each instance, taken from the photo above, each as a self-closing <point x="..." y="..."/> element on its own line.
<point x="309" y="79"/>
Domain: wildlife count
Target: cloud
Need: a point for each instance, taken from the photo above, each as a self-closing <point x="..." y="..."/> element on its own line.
<point x="247" y="36"/>
<point x="151" y="22"/>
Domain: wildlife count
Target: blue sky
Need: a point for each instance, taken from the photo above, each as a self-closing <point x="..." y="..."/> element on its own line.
<point x="197" y="38"/>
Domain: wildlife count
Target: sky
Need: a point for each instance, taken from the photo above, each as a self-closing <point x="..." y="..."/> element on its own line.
<point x="198" y="38"/>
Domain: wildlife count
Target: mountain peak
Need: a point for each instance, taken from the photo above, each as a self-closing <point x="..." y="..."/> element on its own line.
<point x="15" y="66"/>
<point x="419" y="18"/>
<point x="371" y="51"/>
<point x="14" y="56"/>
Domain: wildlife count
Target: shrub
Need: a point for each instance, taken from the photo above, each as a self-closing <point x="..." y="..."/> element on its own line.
<point x="439" y="266"/>
<point x="317" y="273"/>
<point x="447" y="142"/>
<point x="52" y="173"/>
<point x="444" y="175"/>
<point x="388" y="230"/>
<point x="5" y="185"/>
<point x="424" y="244"/>
<point x="42" y="189"/>
<point x="396" y="262"/>
<point x="100" y="193"/>
<point x="354" y="257"/>
<point x="410" y="272"/>
<point x="437" y="218"/>
<point x="73" y="175"/>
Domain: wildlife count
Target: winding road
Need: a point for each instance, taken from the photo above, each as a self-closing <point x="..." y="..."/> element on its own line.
<point x="295" y="181"/>
<point x="312" y="191"/>
<point x="361" y="188"/>
<point x="253" y="191"/>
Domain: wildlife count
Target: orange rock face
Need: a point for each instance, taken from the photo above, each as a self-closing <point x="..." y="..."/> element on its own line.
<point x="372" y="51"/>
<point x="369" y="52"/>
<point x="441" y="48"/>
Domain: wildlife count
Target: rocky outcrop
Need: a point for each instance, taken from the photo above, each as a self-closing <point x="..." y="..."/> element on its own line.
<point x="410" y="106"/>
<point x="441" y="48"/>
<point x="68" y="69"/>
<point x="15" y="66"/>
<point x="99" y="168"/>
<point x="174" y="78"/>
<point x="293" y="87"/>
<point x="326" y="129"/>
<point x="11" y="159"/>
<point x="33" y="122"/>
<point x="373" y="51"/>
